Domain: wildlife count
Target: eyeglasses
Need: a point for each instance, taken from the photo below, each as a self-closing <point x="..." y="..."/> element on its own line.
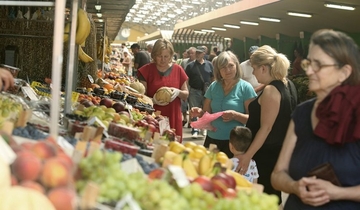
<point x="316" y="66"/>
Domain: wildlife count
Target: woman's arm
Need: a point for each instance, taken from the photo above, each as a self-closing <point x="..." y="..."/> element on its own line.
<point x="280" y="178"/>
<point x="184" y="91"/>
<point x="270" y="105"/>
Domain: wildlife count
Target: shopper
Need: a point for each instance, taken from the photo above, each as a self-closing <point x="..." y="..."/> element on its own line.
<point x="240" y="140"/>
<point x="164" y="73"/>
<point x="6" y="79"/>
<point x="248" y="72"/>
<point x="200" y="73"/>
<point x="127" y="63"/>
<point x="228" y="94"/>
<point x="325" y="129"/>
<point x="296" y="65"/>
<point x="269" y="114"/>
<point x="140" y="58"/>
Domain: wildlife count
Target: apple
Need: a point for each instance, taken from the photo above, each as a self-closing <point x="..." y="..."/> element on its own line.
<point x="125" y="116"/>
<point x="86" y="103"/>
<point x="205" y="183"/>
<point x="229" y="193"/>
<point x="152" y="128"/>
<point x="222" y="182"/>
<point x="170" y="134"/>
<point x="119" y="106"/>
<point x="106" y="102"/>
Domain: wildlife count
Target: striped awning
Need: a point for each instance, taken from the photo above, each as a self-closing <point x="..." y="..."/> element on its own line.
<point x="197" y="37"/>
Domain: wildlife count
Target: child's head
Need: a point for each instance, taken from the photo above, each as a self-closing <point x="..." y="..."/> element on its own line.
<point x="240" y="139"/>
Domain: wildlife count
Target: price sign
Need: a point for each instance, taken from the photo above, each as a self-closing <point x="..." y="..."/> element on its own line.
<point x="74" y="96"/>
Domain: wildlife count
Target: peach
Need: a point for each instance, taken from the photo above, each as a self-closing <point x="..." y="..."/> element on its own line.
<point x="33" y="185"/>
<point x="63" y="198"/>
<point x="67" y="160"/>
<point x="44" y="150"/>
<point x="14" y="180"/>
<point x="27" y="145"/>
<point x="55" y="173"/>
<point x="26" y="166"/>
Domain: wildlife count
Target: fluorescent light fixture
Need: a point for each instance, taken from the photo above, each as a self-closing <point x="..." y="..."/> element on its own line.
<point x="200" y="32"/>
<point x="101" y="20"/>
<point x="227" y="38"/>
<point x="218" y="29"/>
<point x="196" y="2"/>
<point x="249" y="23"/>
<point x="269" y="19"/>
<point x="299" y="14"/>
<point x="99" y="14"/>
<point x="231" y="26"/>
<point x="207" y="30"/>
<point x="339" y="6"/>
<point x="97" y="6"/>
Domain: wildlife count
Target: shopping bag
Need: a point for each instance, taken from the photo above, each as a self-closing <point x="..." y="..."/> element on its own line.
<point x="205" y="121"/>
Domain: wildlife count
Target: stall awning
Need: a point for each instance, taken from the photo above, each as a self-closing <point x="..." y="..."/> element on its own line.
<point x="196" y="37"/>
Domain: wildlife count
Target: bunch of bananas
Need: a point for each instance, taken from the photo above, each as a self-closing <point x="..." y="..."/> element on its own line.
<point x="82" y="32"/>
<point x="83" y="56"/>
<point x="196" y="160"/>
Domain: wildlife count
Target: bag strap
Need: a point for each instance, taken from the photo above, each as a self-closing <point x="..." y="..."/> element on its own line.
<point x="198" y="70"/>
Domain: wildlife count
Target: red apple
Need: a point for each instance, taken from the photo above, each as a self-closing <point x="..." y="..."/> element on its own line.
<point x="205" y="183"/>
<point x="229" y="193"/>
<point x="119" y="106"/>
<point x="106" y="102"/>
<point x="152" y="128"/>
<point x="221" y="182"/>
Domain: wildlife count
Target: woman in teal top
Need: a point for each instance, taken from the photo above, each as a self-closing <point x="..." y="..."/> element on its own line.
<point x="229" y="94"/>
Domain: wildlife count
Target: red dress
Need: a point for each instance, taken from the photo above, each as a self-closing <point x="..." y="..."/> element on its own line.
<point x="175" y="79"/>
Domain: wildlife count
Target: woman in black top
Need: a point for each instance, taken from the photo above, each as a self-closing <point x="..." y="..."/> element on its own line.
<point x="269" y="114"/>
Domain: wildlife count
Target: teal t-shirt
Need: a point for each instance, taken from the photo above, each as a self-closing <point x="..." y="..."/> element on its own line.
<point x="241" y="92"/>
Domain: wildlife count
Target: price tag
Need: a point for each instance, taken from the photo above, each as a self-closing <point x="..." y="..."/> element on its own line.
<point x="28" y="91"/>
<point x="74" y="96"/>
<point x="91" y="79"/>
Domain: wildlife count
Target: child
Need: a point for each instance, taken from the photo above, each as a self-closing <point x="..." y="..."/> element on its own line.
<point x="240" y="140"/>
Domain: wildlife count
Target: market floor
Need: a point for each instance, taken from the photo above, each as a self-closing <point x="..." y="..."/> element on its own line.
<point x="187" y="136"/>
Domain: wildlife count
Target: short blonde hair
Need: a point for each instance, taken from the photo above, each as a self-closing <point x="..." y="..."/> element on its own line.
<point x="159" y="46"/>
<point x="278" y="62"/>
<point x="222" y="60"/>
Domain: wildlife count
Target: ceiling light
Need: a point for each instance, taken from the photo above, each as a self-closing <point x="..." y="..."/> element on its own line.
<point x="339" y="6"/>
<point x="219" y="29"/>
<point x="226" y="38"/>
<point x="269" y="19"/>
<point x="99" y="14"/>
<point x="249" y="23"/>
<point x="200" y="32"/>
<point x="207" y="30"/>
<point x="299" y="14"/>
<point x="231" y="26"/>
<point x="98" y="6"/>
<point x="101" y="20"/>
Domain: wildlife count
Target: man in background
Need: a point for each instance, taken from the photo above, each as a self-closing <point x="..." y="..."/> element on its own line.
<point x="199" y="72"/>
<point x="248" y="72"/>
<point x="140" y="57"/>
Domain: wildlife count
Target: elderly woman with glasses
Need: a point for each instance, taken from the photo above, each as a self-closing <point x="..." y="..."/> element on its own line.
<point x="324" y="132"/>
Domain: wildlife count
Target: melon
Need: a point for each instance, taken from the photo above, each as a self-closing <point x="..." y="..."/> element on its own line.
<point x="163" y="95"/>
<point x="18" y="197"/>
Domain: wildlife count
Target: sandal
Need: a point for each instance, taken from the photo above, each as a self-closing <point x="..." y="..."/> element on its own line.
<point x="184" y="122"/>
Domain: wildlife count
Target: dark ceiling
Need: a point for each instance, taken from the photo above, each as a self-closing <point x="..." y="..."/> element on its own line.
<point x="114" y="13"/>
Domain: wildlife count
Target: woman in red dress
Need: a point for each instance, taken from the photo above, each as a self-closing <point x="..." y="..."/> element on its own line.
<point x="162" y="72"/>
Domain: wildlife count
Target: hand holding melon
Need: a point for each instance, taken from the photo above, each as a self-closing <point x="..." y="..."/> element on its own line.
<point x="165" y="95"/>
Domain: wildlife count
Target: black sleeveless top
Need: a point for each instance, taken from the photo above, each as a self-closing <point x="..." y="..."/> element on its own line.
<point x="279" y="129"/>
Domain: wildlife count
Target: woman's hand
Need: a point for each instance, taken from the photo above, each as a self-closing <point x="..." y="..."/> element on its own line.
<point x="6" y="79"/>
<point x="196" y="112"/>
<point x="228" y="115"/>
<point x="312" y="191"/>
<point x="243" y="165"/>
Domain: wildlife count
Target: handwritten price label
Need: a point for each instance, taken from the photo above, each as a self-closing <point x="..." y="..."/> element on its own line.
<point x="74" y="96"/>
